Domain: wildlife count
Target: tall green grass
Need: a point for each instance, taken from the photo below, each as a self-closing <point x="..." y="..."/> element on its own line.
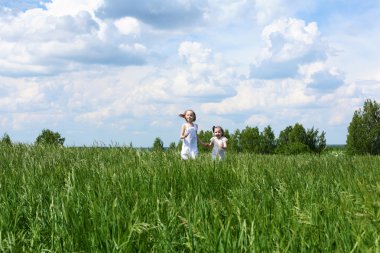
<point x="123" y="200"/>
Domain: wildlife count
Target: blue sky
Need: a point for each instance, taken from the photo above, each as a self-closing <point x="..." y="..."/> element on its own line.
<point x="120" y="71"/>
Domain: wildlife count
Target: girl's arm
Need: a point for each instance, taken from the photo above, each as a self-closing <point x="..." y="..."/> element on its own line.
<point x="223" y="145"/>
<point x="208" y="145"/>
<point x="183" y="133"/>
<point x="202" y="143"/>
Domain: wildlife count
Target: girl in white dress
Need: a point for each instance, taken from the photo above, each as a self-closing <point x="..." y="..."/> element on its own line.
<point x="189" y="136"/>
<point x="219" y="143"/>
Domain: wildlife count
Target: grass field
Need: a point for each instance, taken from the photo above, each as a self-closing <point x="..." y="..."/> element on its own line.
<point x="124" y="200"/>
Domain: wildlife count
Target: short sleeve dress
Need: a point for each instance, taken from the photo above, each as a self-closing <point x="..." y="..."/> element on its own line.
<point x="216" y="150"/>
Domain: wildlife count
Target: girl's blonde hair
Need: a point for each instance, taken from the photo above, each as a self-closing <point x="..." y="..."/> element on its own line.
<point x="182" y="115"/>
<point x="221" y="129"/>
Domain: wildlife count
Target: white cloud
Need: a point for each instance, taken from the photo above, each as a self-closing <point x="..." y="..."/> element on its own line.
<point x="290" y="38"/>
<point x="194" y="52"/>
<point x="289" y="43"/>
<point x="35" y="42"/>
<point x="164" y="14"/>
<point x="61" y="8"/>
<point x="101" y="97"/>
<point x="290" y="75"/>
<point x="226" y="11"/>
<point x="114" y="68"/>
<point x="27" y="103"/>
<point x="19" y="120"/>
<point x="263" y="96"/>
<point x="19" y="95"/>
<point x="267" y="10"/>
<point x="128" y="26"/>
<point x="202" y="75"/>
<point x="341" y="110"/>
<point x="258" y="120"/>
<point x="109" y="97"/>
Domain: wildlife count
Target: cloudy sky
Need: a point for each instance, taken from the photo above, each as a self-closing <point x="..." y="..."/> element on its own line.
<point x="120" y="71"/>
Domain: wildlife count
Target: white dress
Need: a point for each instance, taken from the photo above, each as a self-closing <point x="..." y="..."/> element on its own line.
<point x="190" y="143"/>
<point x="217" y="151"/>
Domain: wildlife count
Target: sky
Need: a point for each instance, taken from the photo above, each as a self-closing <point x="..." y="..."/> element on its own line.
<point x="118" y="72"/>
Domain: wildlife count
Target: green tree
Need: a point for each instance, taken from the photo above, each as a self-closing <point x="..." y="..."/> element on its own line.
<point x="316" y="143"/>
<point x="234" y="142"/>
<point x="293" y="140"/>
<point x="172" y="146"/>
<point x="158" y="145"/>
<point x="227" y="134"/>
<point x="250" y="139"/>
<point x="321" y="143"/>
<point x="268" y="141"/>
<point x="48" y="137"/>
<point x="364" y="130"/>
<point x="283" y="139"/>
<point x="6" y="140"/>
<point x="298" y="134"/>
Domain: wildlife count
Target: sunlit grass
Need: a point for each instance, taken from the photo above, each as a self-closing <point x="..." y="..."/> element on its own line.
<point x="124" y="200"/>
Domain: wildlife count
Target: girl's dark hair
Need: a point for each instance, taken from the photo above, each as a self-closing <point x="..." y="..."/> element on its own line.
<point x="221" y="129"/>
<point x="182" y="115"/>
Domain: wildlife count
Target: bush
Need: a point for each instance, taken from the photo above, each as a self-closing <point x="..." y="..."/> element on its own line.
<point x="48" y="137"/>
<point x="158" y="145"/>
<point x="294" y="148"/>
<point x="6" y="140"/>
<point x="295" y="140"/>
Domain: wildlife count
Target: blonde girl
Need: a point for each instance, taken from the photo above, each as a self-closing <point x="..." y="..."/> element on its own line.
<point x="189" y="135"/>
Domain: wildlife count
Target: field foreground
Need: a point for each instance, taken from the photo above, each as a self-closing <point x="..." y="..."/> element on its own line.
<point x="125" y="200"/>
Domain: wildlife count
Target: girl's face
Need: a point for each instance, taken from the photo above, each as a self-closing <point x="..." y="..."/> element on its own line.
<point x="218" y="132"/>
<point x="189" y="116"/>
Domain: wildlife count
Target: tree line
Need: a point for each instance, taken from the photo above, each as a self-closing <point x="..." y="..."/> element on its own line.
<point x="292" y="140"/>
<point x="46" y="137"/>
<point x="363" y="137"/>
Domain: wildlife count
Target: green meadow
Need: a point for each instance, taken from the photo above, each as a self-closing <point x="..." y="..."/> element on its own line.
<point x="119" y="199"/>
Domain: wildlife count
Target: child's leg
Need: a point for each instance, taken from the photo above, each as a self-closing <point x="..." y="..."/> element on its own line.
<point x="184" y="154"/>
<point x="193" y="154"/>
